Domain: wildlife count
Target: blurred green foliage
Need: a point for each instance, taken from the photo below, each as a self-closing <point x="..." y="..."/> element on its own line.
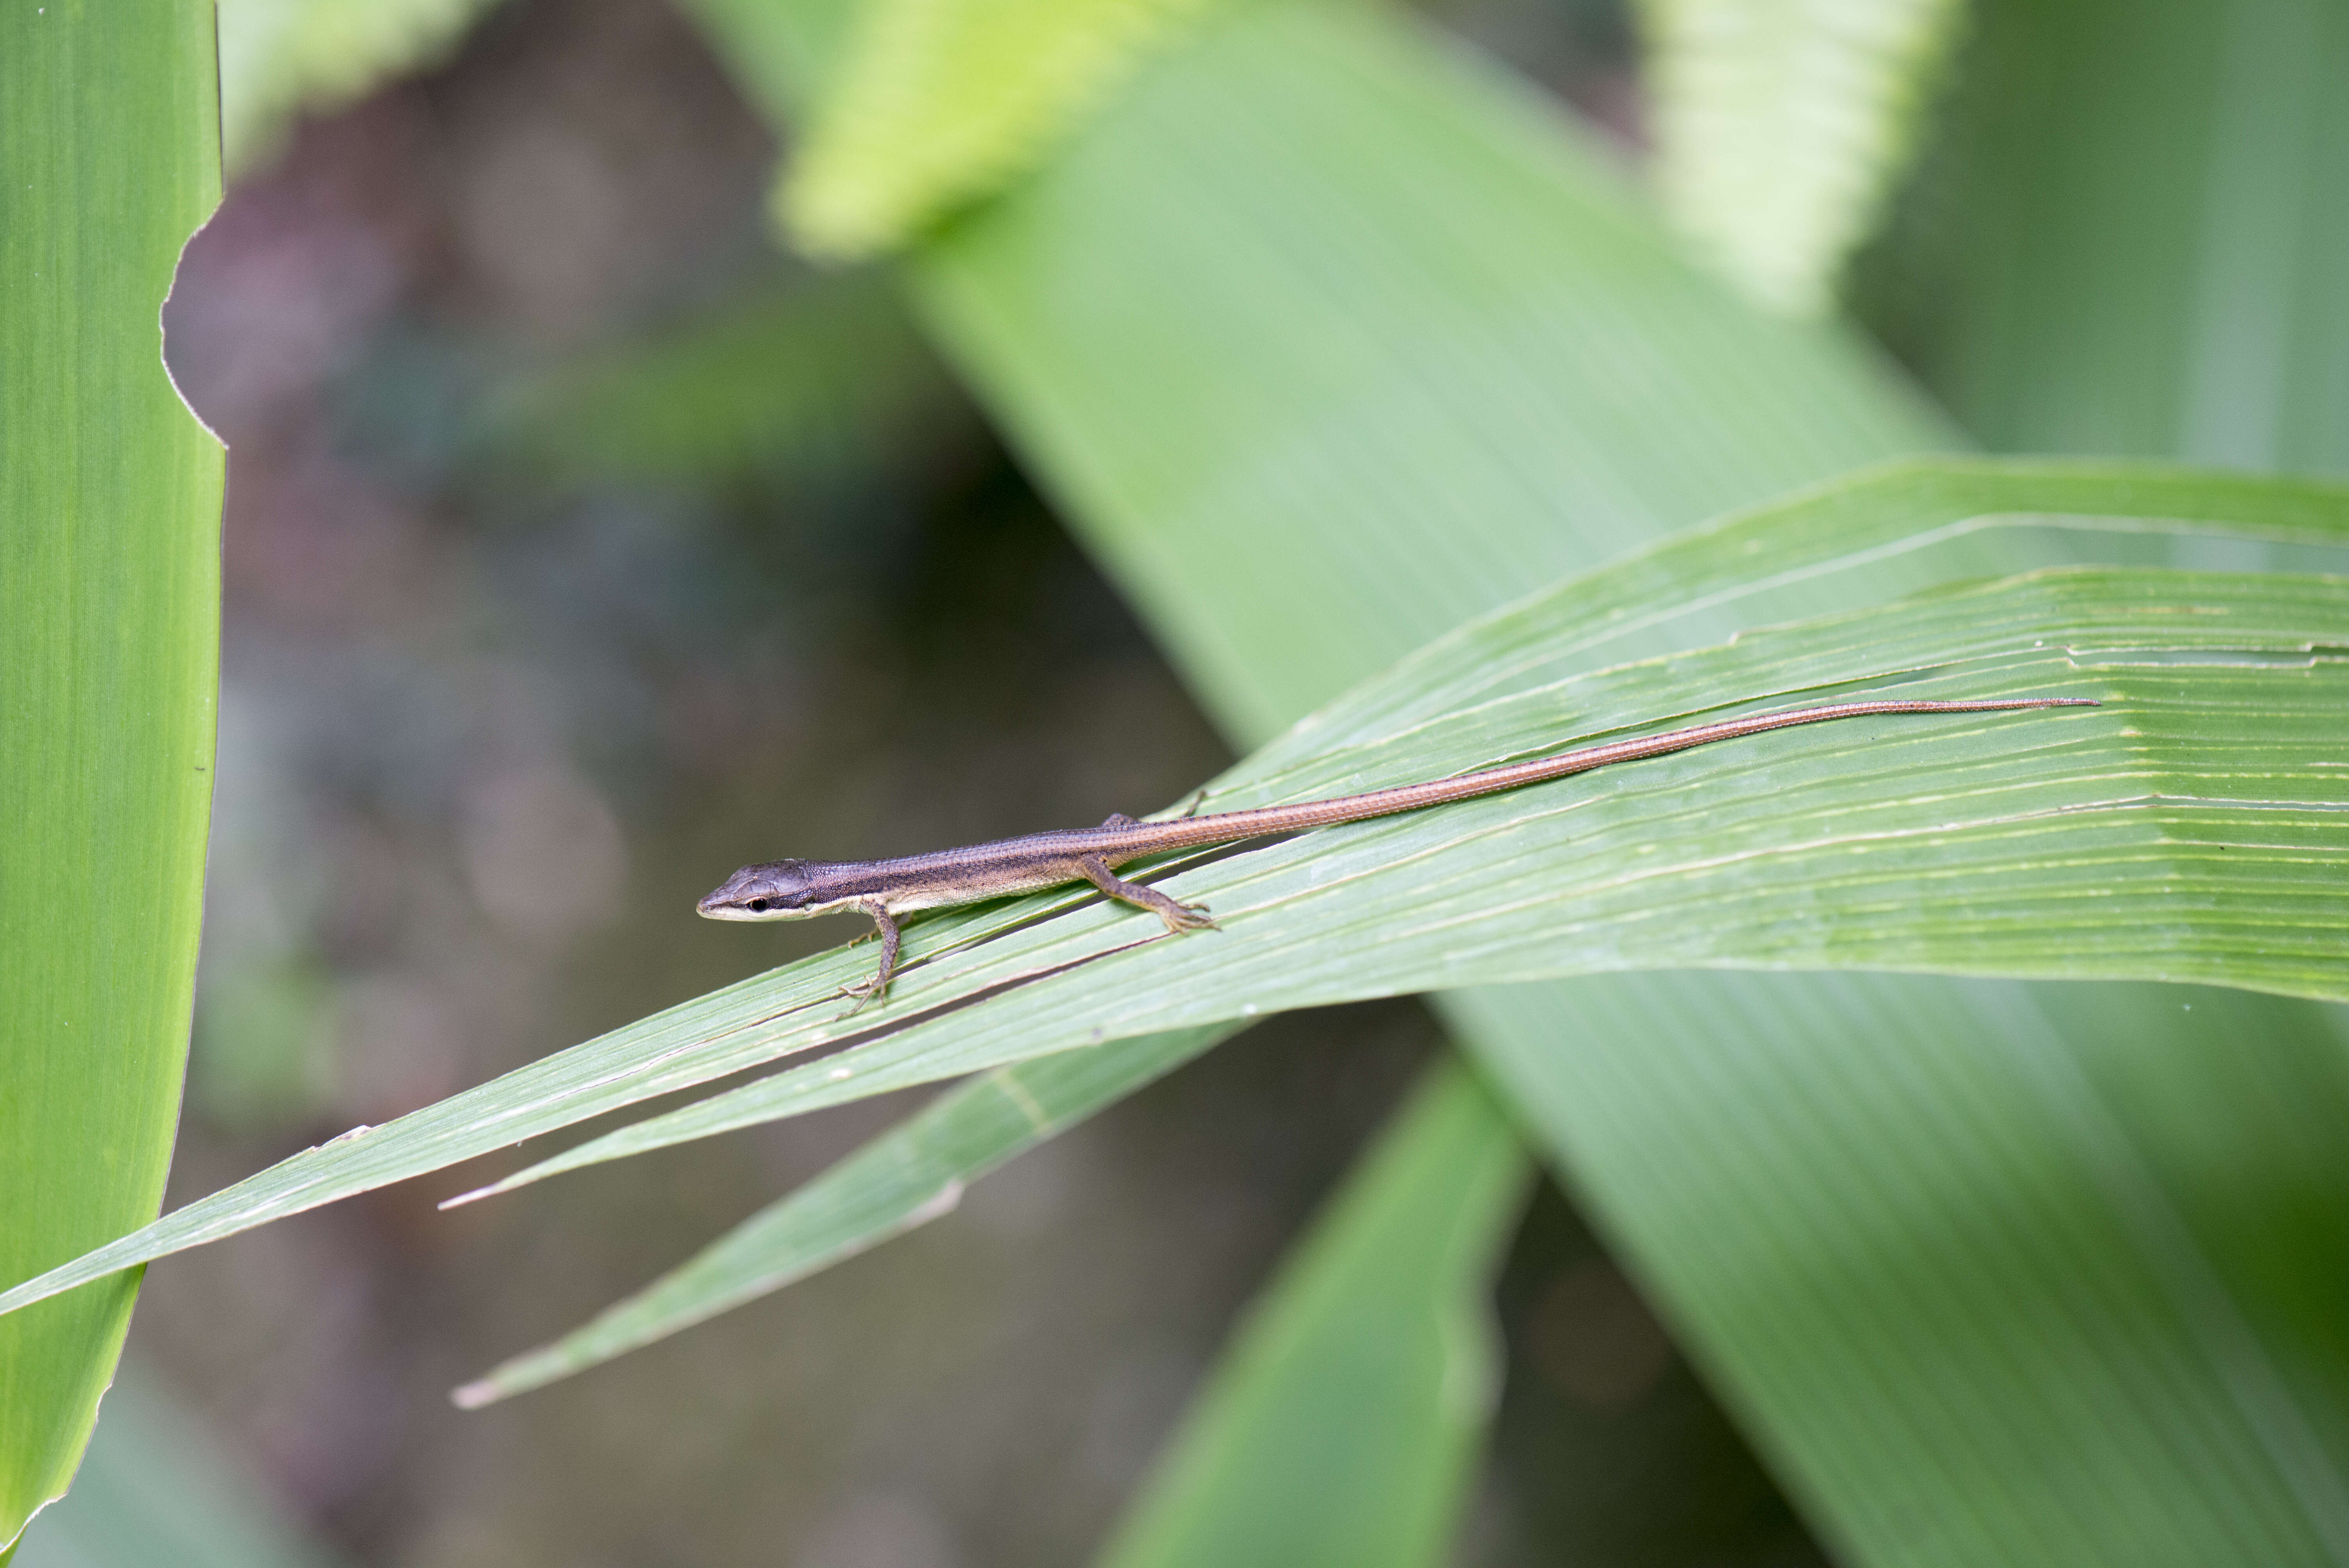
<point x="1347" y="1414"/>
<point x="1780" y="128"/>
<point x="156" y="1487"/>
<point x="802" y="378"/>
<point x="941" y="102"/>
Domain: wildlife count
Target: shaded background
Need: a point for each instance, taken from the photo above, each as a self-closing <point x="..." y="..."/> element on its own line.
<point x="579" y="548"/>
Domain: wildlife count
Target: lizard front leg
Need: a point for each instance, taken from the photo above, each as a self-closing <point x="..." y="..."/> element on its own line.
<point x="872" y="990"/>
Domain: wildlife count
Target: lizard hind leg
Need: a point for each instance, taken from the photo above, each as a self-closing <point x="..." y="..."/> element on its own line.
<point x="1177" y="916"/>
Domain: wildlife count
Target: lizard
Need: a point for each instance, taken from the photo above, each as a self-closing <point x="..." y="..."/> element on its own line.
<point x="885" y="890"/>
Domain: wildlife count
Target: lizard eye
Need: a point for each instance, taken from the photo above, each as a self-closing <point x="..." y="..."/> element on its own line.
<point x="758" y="906"/>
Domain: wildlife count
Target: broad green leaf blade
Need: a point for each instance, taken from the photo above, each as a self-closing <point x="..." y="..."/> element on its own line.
<point x="2125" y="241"/>
<point x="969" y="954"/>
<point x="280" y="57"/>
<point x="910" y="1175"/>
<point x="1201" y="301"/>
<point x="1880" y="1280"/>
<point x="1781" y="124"/>
<point x="109" y="632"/>
<point x="2127" y="237"/>
<point x="942" y="101"/>
<point x="1341" y="1424"/>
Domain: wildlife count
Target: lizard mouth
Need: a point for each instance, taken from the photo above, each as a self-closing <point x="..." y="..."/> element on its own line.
<point x="722" y="906"/>
<point x="715" y="908"/>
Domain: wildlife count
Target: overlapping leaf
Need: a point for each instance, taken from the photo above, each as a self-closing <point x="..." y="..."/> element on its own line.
<point x="1899" y="508"/>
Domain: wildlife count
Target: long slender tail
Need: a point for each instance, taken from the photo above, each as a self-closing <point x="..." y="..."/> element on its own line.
<point x="1228" y="826"/>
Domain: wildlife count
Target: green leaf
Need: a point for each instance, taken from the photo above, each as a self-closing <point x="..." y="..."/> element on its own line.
<point x="110" y="631"/>
<point x="1779" y="128"/>
<point x="2128" y="236"/>
<point x="939" y="102"/>
<point x="1986" y="1286"/>
<point x="1328" y="345"/>
<point x="280" y="57"/>
<point x="1554" y="880"/>
<point x="1345" y="312"/>
<point x="1342" y="1423"/>
<point x="910" y="1175"/>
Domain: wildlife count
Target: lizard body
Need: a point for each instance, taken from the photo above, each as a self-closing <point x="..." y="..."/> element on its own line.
<point x="884" y="890"/>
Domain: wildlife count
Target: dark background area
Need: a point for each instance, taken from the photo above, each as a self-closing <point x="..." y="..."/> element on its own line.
<point x="580" y="547"/>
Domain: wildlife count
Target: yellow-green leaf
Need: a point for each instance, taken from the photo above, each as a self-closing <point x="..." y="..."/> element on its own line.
<point x="939" y="102"/>
<point x="1780" y="125"/>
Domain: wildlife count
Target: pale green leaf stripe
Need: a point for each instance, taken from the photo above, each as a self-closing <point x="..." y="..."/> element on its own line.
<point x="1342" y="1423"/>
<point x="110" y="633"/>
<point x="1779" y="127"/>
<point x="941" y="101"/>
<point x="910" y="1175"/>
<point x="772" y="1016"/>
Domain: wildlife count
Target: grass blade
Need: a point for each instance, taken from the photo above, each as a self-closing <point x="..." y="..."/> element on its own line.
<point x="1340" y="1426"/>
<point x="910" y="1175"/>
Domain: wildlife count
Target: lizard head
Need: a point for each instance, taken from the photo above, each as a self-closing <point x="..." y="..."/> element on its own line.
<point x="775" y="891"/>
